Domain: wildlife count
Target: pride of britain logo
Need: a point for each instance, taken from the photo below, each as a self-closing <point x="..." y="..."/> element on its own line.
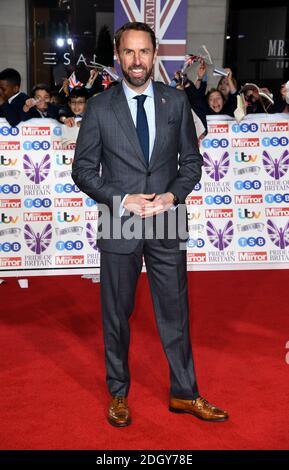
<point x="91" y="236"/>
<point x="36" y="172"/>
<point x="276" y="167"/>
<point x="279" y="236"/>
<point x="220" y="238"/>
<point x="216" y="169"/>
<point x="38" y="242"/>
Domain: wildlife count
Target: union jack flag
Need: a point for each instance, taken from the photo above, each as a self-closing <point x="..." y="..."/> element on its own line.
<point x="168" y="19"/>
<point x="106" y="79"/>
<point x="73" y="82"/>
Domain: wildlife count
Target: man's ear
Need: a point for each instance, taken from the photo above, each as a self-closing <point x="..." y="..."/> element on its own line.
<point x="16" y="89"/>
<point x="155" y="55"/>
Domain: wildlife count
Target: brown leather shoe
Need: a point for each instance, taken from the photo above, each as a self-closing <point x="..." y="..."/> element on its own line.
<point x="199" y="407"/>
<point x="118" y="412"/>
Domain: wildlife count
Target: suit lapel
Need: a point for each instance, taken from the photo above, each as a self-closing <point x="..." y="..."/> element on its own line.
<point x="123" y="115"/>
<point x="161" y="120"/>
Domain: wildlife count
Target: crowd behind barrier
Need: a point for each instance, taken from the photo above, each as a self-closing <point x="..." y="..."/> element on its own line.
<point x="238" y="214"/>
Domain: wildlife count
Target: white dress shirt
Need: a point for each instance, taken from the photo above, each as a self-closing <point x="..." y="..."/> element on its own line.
<point x="149" y="106"/>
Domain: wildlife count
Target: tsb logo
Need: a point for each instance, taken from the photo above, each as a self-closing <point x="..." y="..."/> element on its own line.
<point x="215" y="143"/>
<point x="5" y="130"/>
<point x="6" y="247"/>
<point x="195" y="243"/>
<point x="29" y="203"/>
<point x="69" y="245"/>
<point x="7" y="188"/>
<point x="90" y="202"/>
<point x="256" y="184"/>
<point x="197" y="187"/>
<point x="57" y="131"/>
<point x="66" y="188"/>
<point x="251" y="241"/>
<point x="275" y="141"/>
<point x="226" y="199"/>
<point x="278" y="198"/>
<point x="36" y="145"/>
<point x="245" y="127"/>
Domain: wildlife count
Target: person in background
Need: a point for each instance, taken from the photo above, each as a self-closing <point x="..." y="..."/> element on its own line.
<point x="193" y="90"/>
<point x="12" y="99"/>
<point x="227" y="85"/>
<point x="285" y="97"/>
<point x="72" y="115"/>
<point x="220" y="100"/>
<point x="261" y="100"/>
<point x="39" y="105"/>
<point x="180" y="82"/>
<point x="93" y="85"/>
<point x="216" y="103"/>
<point x="57" y="99"/>
<point x="213" y="102"/>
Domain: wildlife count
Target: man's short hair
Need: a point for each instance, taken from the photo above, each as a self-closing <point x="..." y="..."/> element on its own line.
<point x="40" y="86"/>
<point x="135" y="26"/>
<point x="11" y="76"/>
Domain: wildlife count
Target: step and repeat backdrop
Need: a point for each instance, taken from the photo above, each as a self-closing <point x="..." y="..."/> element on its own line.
<point x="238" y="213"/>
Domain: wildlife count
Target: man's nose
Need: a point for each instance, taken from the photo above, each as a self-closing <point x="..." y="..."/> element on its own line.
<point x="137" y="58"/>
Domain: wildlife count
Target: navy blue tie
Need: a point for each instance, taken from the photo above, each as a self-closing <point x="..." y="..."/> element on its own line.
<point x="142" y="127"/>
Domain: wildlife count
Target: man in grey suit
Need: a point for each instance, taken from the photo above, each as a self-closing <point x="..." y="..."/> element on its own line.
<point x="142" y="134"/>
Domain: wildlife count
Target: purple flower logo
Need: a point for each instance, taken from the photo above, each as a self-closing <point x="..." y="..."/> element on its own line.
<point x="279" y="236"/>
<point x="216" y="169"/>
<point x="36" y="172"/>
<point x="276" y="168"/>
<point x="35" y="241"/>
<point x="91" y="235"/>
<point x="218" y="237"/>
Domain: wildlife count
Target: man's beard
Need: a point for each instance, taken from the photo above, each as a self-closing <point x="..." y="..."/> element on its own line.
<point x="137" y="81"/>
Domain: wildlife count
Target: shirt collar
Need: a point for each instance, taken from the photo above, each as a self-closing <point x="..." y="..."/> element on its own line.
<point x="12" y="97"/>
<point x="130" y="94"/>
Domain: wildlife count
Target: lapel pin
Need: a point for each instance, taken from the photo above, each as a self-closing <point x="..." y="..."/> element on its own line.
<point x="163" y="101"/>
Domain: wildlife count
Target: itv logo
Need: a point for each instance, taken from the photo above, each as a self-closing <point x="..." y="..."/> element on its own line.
<point x="4" y="161"/>
<point x="245" y="158"/>
<point x="66" y="217"/>
<point x="246" y="214"/>
<point x="8" y="219"/>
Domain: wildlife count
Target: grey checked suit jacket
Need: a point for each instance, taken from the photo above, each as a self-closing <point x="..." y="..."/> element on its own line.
<point x="108" y="137"/>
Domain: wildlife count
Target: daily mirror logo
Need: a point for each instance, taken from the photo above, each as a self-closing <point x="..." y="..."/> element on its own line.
<point x="218" y="128"/>
<point x="246" y="142"/>
<point x="274" y="126"/>
<point x="36" y="131"/>
<point x="9" y="145"/>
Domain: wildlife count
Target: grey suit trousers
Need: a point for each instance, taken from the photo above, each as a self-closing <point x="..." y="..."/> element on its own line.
<point x="166" y="270"/>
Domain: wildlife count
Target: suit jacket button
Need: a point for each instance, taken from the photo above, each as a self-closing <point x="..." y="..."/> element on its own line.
<point x="148" y="173"/>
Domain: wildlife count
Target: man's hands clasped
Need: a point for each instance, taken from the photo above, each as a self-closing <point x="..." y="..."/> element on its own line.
<point x="147" y="205"/>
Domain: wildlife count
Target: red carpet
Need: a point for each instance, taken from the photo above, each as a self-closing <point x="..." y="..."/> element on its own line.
<point x="53" y="393"/>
